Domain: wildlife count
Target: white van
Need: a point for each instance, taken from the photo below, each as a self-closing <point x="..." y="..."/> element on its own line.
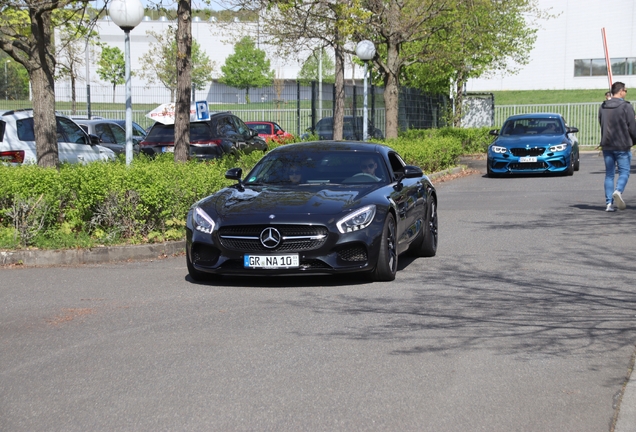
<point x="17" y="140"/>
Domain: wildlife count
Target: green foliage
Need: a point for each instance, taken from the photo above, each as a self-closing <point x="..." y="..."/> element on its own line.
<point x="309" y="70"/>
<point x="105" y="203"/>
<point x="111" y="66"/>
<point x="247" y="68"/>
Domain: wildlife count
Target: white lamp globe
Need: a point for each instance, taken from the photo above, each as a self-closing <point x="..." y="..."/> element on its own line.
<point x="127" y="14"/>
<point x="365" y="50"/>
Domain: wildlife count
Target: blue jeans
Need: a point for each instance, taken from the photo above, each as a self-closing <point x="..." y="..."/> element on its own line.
<point x="613" y="159"/>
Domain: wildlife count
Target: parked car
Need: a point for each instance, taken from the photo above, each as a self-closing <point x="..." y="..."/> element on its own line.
<point x="350" y="130"/>
<point x="139" y="133"/>
<point x="224" y="133"/>
<point x="17" y="138"/>
<point x="533" y="144"/>
<point x="315" y="208"/>
<point x="269" y="130"/>
<point x="110" y="134"/>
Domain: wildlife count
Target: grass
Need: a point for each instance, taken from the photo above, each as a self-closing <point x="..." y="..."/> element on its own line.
<point x="532" y="97"/>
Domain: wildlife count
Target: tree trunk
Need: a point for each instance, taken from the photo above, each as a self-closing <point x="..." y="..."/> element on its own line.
<point x="339" y="102"/>
<point x="184" y="81"/>
<point x="391" y="92"/>
<point x="41" y="72"/>
<point x="114" y="86"/>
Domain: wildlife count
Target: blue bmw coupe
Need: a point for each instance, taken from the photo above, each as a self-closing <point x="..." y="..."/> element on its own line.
<point x="533" y="144"/>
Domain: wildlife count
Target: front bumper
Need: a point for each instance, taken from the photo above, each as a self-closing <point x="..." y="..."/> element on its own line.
<point x="338" y="253"/>
<point x="510" y="164"/>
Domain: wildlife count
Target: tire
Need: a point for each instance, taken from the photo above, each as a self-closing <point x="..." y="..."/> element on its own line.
<point x="428" y="243"/>
<point x="577" y="162"/>
<point x="386" y="266"/>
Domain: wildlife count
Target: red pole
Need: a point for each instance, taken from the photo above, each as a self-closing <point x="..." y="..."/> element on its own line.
<point x="607" y="58"/>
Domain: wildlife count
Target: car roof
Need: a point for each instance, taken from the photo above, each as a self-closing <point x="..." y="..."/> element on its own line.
<point x="535" y="116"/>
<point x="355" y="146"/>
<point x="94" y="121"/>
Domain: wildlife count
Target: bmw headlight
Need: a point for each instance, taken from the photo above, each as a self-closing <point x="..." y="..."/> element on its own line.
<point x="202" y="221"/>
<point x="357" y="220"/>
<point x="498" y="149"/>
<point x="558" y="147"/>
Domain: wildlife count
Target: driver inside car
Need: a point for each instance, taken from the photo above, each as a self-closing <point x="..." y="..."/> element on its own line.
<point x="368" y="166"/>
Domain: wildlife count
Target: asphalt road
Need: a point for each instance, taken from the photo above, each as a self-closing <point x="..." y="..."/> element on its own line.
<point x="525" y="321"/>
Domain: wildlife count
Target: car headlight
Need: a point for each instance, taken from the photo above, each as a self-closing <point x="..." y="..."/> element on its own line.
<point x="558" y="147"/>
<point x="357" y="220"/>
<point x="202" y="221"/>
<point x="498" y="149"/>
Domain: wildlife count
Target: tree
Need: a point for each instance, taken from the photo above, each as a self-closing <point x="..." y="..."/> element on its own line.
<point x="450" y="39"/>
<point x="15" y="85"/>
<point x="297" y="25"/>
<point x="309" y="70"/>
<point x="184" y="80"/>
<point x="247" y="68"/>
<point x="71" y="53"/>
<point x="26" y="36"/>
<point x="160" y="62"/>
<point x="111" y="67"/>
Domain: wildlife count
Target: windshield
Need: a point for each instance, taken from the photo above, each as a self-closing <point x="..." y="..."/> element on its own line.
<point x="542" y="126"/>
<point x="333" y="167"/>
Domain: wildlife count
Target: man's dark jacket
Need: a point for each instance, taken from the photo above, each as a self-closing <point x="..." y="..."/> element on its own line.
<point x="618" y="125"/>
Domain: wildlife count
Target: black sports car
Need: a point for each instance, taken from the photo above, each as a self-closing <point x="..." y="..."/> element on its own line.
<point x="315" y="208"/>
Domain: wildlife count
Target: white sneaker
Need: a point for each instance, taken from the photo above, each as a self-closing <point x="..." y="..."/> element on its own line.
<point x="618" y="200"/>
<point x="610" y="208"/>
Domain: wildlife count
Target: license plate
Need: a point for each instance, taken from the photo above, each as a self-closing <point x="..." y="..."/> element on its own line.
<point x="271" y="261"/>
<point x="167" y="149"/>
<point x="527" y="159"/>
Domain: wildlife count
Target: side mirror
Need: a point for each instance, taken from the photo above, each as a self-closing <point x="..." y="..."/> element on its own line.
<point x="411" y="171"/>
<point x="235" y="174"/>
<point x="572" y="130"/>
<point x="94" y="139"/>
<point x="494" y="132"/>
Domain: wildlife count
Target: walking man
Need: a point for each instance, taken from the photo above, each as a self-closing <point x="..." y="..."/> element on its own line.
<point x="618" y="135"/>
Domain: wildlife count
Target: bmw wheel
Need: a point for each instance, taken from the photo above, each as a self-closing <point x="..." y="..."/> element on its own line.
<point x="577" y="161"/>
<point x="386" y="267"/>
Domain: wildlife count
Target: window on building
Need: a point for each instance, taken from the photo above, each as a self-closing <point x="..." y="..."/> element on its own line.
<point x="597" y="67"/>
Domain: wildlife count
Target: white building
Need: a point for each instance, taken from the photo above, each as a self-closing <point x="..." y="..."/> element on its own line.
<point x="569" y="52"/>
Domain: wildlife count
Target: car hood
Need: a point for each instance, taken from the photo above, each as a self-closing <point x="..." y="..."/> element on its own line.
<point x="260" y="204"/>
<point x="529" y="140"/>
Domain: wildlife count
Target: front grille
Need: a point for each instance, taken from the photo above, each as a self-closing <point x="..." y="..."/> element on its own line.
<point x="535" y="151"/>
<point x="203" y="255"/>
<point x="354" y="253"/>
<point x="533" y="166"/>
<point x="296" y="238"/>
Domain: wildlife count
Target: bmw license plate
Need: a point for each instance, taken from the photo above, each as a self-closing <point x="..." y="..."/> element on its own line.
<point x="528" y="159"/>
<point x="283" y="261"/>
<point x="167" y="149"/>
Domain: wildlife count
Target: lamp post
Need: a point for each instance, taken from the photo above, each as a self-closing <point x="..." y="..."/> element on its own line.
<point x="365" y="50"/>
<point x="127" y="14"/>
<point x="6" y="81"/>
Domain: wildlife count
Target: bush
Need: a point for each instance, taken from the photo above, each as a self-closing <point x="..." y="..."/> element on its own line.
<point x="110" y="203"/>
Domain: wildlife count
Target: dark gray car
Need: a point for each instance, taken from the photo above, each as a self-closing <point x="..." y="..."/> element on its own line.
<point x="110" y="134"/>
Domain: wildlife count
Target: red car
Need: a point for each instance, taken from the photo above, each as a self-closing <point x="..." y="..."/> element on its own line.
<point x="269" y="131"/>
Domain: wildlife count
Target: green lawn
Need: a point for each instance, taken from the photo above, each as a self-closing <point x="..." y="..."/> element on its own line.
<point x="532" y="97"/>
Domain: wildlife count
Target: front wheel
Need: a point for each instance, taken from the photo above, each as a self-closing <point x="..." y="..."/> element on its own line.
<point x="428" y="245"/>
<point x="386" y="266"/>
<point x="577" y="162"/>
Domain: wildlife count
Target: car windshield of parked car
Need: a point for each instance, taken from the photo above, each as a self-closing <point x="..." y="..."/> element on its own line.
<point x="262" y="128"/>
<point x="335" y="167"/>
<point x="531" y="126"/>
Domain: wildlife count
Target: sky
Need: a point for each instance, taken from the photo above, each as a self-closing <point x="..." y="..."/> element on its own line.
<point x="171" y="4"/>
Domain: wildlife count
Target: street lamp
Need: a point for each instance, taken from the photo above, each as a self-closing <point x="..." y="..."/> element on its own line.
<point x="365" y="51"/>
<point x="6" y="81"/>
<point x="127" y="14"/>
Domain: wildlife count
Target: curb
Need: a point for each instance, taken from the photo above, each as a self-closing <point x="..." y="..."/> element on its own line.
<point x="43" y="258"/>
